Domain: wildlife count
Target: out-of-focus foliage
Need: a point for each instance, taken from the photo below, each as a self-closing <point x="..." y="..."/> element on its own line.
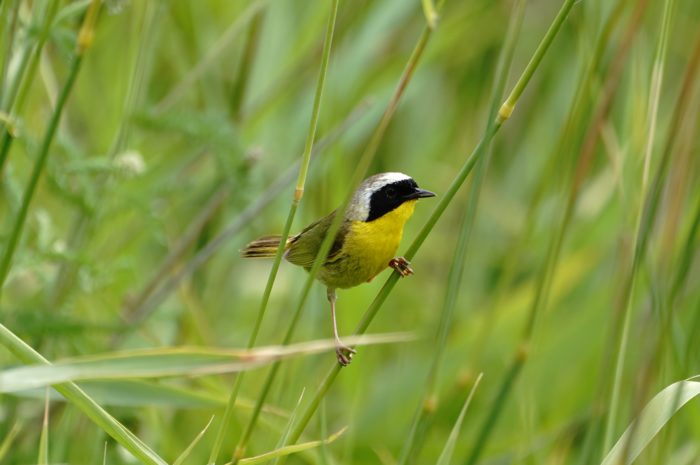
<point x="184" y="114"/>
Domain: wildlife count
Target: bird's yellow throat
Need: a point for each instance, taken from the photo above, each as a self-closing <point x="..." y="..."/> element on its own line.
<point x="374" y="243"/>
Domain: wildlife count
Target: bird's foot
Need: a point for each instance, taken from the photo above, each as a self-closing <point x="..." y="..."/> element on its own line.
<point x="344" y="354"/>
<point x="402" y="266"/>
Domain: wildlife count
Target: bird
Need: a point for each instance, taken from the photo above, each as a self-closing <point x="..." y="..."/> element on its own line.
<point x="365" y="244"/>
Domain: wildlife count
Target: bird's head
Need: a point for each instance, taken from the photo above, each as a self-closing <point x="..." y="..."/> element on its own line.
<point x="381" y="194"/>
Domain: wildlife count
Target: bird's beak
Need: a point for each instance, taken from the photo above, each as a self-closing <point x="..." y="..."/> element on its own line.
<point x="420" y="194"/>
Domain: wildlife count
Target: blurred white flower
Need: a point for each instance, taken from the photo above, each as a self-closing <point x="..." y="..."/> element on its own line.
<point x="130" y="163"/>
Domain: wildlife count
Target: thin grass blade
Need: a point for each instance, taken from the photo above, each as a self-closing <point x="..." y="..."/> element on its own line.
<point x="288" y="450"/>
<point x="44" y="438"/>
<point x="158" y="363"/>
<point x="653" y="418"/>
<point x="181" y="459"/>
<point x="446" y="454"/>
<point x="6" y="444"/>
<point x="290" y="423"/>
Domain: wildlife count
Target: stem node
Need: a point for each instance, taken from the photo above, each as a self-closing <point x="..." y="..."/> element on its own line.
<point x="430" y="405"/>
<point x="87" y="31"/>
<point x="504" y="112"/>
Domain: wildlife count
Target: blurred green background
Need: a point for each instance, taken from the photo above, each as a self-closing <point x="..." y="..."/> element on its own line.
<point x="185" y="113"/>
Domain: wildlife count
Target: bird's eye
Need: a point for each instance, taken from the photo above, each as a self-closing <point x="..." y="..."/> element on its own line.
<point x="391" y="192"/>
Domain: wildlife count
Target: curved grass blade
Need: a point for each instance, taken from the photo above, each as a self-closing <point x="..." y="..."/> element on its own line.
<point x="288" y="450"/>
<point x="655" y="415"/>
<point x="288" y="427"/>
<point x="181" y="459"/>
<point x="446" y="454"/>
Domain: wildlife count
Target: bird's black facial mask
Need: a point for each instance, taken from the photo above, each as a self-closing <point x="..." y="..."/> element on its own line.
<point x="392" y="195"/>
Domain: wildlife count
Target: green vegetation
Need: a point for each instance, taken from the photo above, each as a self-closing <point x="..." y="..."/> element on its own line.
<point x="556" y="290"/>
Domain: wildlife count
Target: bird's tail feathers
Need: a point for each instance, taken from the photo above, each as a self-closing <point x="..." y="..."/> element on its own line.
<point x="263" y="247"/>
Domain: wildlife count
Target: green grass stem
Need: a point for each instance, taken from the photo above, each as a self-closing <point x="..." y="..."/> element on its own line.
<point x="324" y="249"/>
<point x="492" y="127"/>
<point x="298" y="194"/>
<point x="544" y="281"/>
<point x="509" y="105"/>
<point x="31" y="70"/>
<point x="212" y="57"/>
<point x="240" y="85"/>
<point x="13" y="101"/>
<point x="657" y="76"/>
<point x="43" y="458"/>
<point x="84" y="38"/>
<point x="418" y="428"/>
<point x="9" y="10"/>
<point x="129" y="242"/>
<point x="644" y="226"/>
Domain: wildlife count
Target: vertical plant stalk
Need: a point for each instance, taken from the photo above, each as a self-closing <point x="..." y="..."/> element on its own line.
<point x="645" y="222"/>
<point x="426" y="407"/>
<point x="652" y="361"/>
<point x="657" y="76"/>
<point x="44" y="437"/>
<point x="545" y="279"/>
<point x="211" y="58"/>
<point x="9" y="11"/>
<point x="85" y="37"/>
<point x="492" y="127"/>
<point x="245" y="67"/>
<point x="298" y="194"/>
<point x="431" y="14"/>
<point x="13" y="102"/>
<point x="691" y="246"/>
<point x="359" y="173"/>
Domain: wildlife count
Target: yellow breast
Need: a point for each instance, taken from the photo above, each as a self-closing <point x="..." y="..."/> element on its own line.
<point x="368" y="247"/>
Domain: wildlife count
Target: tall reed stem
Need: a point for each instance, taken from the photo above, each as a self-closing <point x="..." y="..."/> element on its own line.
<point x="417" y="431"/>
<point x="492" y="127"/>
<point x="581" y="169"/>
<point x="644" y="226"/>
<point x="85" y="37"/>
<point x="298" y="194"/>
<point x="359" y="173"/>
<point x="24" y="76"/>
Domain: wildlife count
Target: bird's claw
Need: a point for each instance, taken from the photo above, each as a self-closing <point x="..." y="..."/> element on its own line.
<point x="344" y="354"/>
<point x="402" y="266"/>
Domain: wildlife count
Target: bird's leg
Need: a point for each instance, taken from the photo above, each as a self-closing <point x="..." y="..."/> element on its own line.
<point x="402" y="266"/>
<point x="343" y="352"/>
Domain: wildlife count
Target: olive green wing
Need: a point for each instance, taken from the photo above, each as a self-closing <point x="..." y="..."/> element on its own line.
<point x="304" y="246"/>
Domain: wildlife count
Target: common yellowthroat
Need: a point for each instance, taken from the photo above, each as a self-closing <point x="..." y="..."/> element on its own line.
<point x="365" y="244"/>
